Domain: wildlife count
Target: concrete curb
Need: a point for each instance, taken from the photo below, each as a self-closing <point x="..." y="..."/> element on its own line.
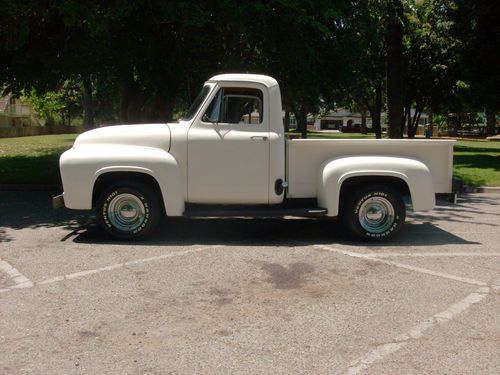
<point x="462" y="188"/>
<point x="488" y="189"/>
<point x="465" y="189"/>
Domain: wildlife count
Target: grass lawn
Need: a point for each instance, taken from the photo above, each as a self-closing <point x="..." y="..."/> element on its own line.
<point x="477" y="163"/>
<point x="34" y="160"/>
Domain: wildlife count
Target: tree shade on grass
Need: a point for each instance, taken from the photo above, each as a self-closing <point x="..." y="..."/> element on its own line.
<point x="477" y="163"/>
<point x="32" y="160"/>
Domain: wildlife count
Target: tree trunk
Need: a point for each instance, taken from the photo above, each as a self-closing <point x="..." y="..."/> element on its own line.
<point x="131" y="103"/>
<point x="377" y="111"/>
<point x="412" y="129"/>
<point x="168" y="111"/>
<point x="431" y="122"/>
<point x="63" y="117"/>
<point x="490" y="122"/>
<point x="286" y="121"/>
<point x="363" y="121"/>
<point x="452" y="123"/>
<point x="157" y="109"/>
<point x="301" y="117"/>
<point x="124" y="99"/>
<point x="406" y="121"/>
<point x="394" y="41"/>
<point x="88" y="105"/>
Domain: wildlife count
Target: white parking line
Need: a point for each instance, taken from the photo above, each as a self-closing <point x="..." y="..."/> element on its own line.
<point x="120" y="265"/>
<point x="115" y="266"/>
<point x="372" y="257"/>
<point x="423" y="255"/>
<point x="17" y="277"/>
<point x="364" y="362"/>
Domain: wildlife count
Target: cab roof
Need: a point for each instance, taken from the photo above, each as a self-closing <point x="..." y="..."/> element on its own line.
<point x="240" y="77"/>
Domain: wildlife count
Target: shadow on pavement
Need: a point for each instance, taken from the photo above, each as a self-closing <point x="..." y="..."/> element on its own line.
<point x="33" y="210"/>
<point x="466" y="210"/>
<point x="273" y="232"/>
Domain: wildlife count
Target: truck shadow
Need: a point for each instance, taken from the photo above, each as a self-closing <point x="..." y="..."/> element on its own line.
<point x="33" y="209"/>
<point x="20" y="210"/>
<point x="272" y="232"/>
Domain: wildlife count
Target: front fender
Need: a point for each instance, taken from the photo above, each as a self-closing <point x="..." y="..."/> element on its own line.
<point x="82" y="165"/>
<point x="413" y="172"/>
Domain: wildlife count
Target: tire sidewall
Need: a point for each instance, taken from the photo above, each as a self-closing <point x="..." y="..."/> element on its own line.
<point x="150" y="210"/>
<point x="352" y="216"/>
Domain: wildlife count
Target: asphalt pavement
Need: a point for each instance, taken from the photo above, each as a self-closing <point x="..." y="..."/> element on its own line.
<point x="249" y="296"/>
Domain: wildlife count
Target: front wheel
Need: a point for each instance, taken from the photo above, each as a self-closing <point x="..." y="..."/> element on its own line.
<point x="128" y="210"/>
<point x="374" y="213"/>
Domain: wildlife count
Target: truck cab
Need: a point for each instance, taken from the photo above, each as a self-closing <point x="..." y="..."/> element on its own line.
<point x="236" y="143"/>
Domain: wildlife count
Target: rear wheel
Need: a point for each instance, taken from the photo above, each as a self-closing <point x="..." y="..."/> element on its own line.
<point x="374" y="213"/>
<point x="128" y="210"/>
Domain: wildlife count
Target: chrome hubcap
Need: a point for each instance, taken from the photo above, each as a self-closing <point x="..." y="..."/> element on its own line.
<point x="126" y="212"/>
<point x="376" y="215"/>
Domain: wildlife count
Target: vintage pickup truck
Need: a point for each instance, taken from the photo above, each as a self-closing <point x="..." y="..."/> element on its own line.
<point x="229" y="156"/>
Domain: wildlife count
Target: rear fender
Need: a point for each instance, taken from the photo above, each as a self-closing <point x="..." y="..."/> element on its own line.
<point x="414" y="173"/>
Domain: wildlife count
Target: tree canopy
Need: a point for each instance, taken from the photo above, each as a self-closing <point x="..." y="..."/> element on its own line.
<point x="140" y="61"/>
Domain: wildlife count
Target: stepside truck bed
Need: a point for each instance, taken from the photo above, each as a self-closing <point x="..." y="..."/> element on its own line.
<point x="306" y="156"/>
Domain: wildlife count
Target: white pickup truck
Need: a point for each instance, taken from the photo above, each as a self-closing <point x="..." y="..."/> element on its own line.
<point x="229" y="156"/>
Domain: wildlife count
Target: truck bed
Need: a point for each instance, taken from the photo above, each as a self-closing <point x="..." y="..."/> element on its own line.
<point x="306" y="156"/>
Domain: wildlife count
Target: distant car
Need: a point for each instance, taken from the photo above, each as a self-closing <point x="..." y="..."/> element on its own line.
<point x="355" y="128"/>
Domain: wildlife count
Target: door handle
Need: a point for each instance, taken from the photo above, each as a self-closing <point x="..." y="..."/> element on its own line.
<point x="258" y="138"/>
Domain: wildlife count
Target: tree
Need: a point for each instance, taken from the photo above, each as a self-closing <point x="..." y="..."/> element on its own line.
<point x="64" y="103"/>
<point x="363" y="43"/>
<point x="430" y="62"/>
<point x="477" y="30"/>
<point x="48" y="105"/>
<point x="137" y="61"/>
<point x="394" y="41"/>
<point x="297" y="42"/>
<point x="43" y="44"/>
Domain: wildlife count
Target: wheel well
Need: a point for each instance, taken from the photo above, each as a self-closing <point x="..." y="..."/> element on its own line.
<point x="350" y="185"/>
<point x="110" y="178"/>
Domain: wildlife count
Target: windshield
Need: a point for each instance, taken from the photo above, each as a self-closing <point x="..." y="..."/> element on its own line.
<point x="196" y="104"/>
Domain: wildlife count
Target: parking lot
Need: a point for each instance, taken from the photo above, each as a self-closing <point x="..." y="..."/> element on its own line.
<point x="240" y="296"/>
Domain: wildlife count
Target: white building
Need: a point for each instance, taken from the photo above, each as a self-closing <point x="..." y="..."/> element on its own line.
<point x="16" y="113"/>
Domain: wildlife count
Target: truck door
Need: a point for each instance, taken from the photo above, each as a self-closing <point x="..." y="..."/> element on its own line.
<point x="228" y="149"/>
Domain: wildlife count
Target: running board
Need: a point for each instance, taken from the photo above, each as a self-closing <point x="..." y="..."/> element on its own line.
<point x="277" y="213"/>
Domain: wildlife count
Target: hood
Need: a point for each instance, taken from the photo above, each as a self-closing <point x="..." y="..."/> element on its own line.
<point x="146" y="135"/>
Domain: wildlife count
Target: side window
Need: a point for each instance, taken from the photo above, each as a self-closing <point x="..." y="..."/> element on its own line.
<point x="236" y="106"/>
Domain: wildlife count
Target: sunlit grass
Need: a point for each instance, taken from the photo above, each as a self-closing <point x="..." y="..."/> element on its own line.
<point x="37" y="145"/>
<point x="32" y="160"/>
<point x="477" y="163"/>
